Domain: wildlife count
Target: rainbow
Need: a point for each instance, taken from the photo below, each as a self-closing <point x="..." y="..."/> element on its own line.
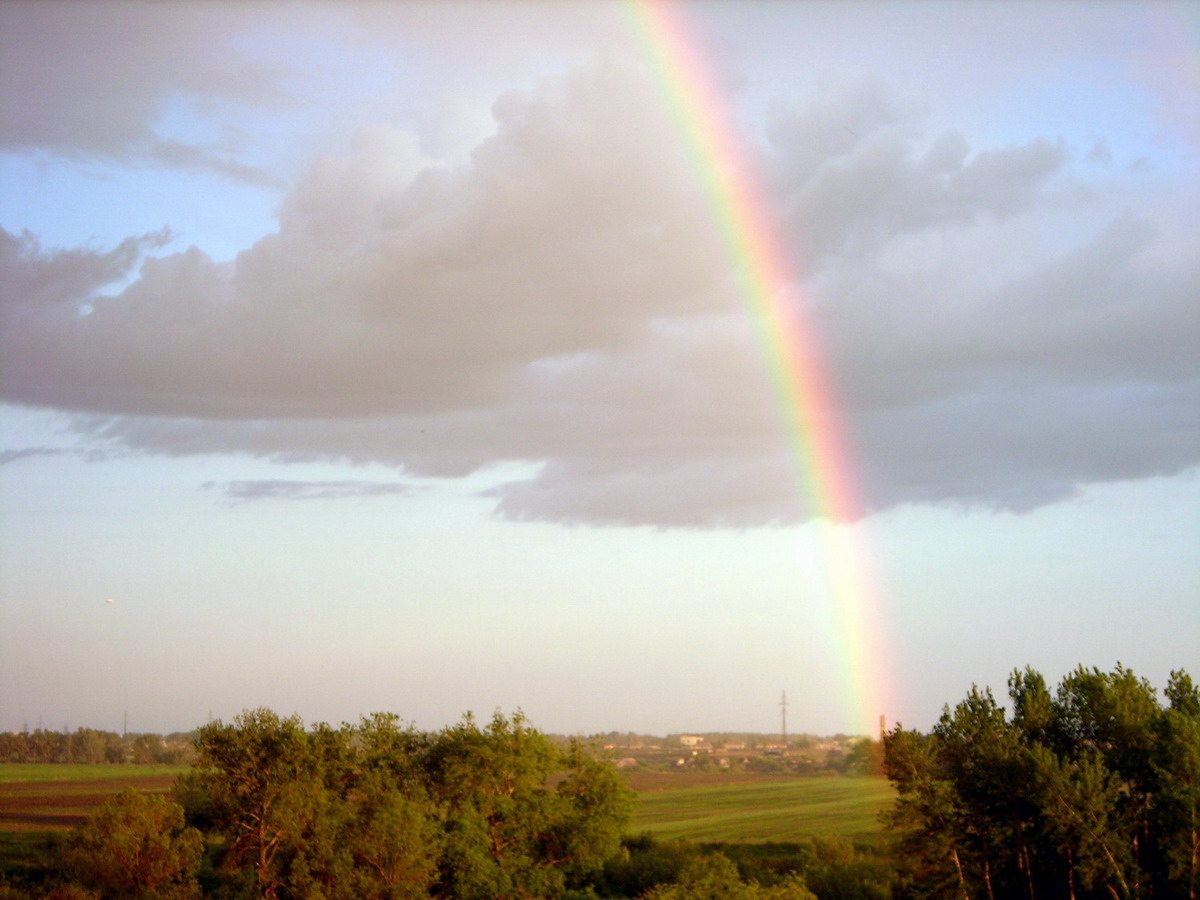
<point x="766" y="280"/>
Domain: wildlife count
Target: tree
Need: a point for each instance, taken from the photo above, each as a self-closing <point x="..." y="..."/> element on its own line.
<point x="253" y="781"/>
<point x="391" y="827"/>
<point x="136" y="846"/>
<point x="865" y="758"/>
<point x="510" y="830"/>
<point x="394" y="843"/>
<point x="926" y="813"/>
<point x="1176" y="764"/>
<point x="1091" y="792"/>
<point x="713" y="876"/>
<point x="381" y="811"/>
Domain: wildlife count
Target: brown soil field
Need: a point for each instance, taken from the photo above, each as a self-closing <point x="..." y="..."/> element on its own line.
<point x="58" y="805"/>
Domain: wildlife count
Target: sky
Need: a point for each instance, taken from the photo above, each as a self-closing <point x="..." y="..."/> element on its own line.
<point x="391" y="356"/>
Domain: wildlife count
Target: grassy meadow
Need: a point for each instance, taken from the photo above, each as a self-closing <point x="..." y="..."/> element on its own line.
<point x="47" y="772"/>
<point x="788" y="810"/>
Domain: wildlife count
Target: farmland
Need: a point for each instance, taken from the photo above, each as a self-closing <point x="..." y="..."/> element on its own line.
<point x="52" y="797"/>
<point x="40" y="802"/>
<point x="692" y="806"/>
<point x="764" y="810"/>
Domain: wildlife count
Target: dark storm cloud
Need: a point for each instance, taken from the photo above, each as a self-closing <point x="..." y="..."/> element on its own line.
<point x="999" y="330"/>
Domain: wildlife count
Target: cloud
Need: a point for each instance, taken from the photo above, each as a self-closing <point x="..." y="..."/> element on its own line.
<point x="39" y="279"/>
<point x="12" y="456"/>
<point x="383" y="293"/>
<point x="278" y="489"/>
<point x="999" y="330"/>
<point x="855" y="173"/>
<point x="95" y="81"/>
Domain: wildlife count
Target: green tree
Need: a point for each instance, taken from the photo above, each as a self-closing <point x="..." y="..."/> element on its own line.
<point x="381" y="811"/>
<point x="1091" y="792"/>
<point x="865" y="758"/>
<point x="136" y="846"/>
<point x="713" y="876"/>
<point x="391" y="827"/>
<point x="1081" y="802"/>
<point x="1176" y="814"/>
<point x="394" y="842"/>
<point x="927" y="814"/>
<point x="254" y="781"/>
<point x="520" y="813"/>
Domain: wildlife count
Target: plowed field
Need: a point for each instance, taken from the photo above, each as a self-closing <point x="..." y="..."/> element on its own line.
<point x="58" y="805"/>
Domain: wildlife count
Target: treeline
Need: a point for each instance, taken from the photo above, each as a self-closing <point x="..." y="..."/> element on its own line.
<point x="1090" y="792"/>
<point x="87" y="745"/>
<point x="377" y="810"/>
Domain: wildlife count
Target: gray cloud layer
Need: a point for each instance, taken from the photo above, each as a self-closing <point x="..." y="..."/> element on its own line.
<point x="94" y="80"/>
<point x="280" y="489"/>
<point x="565" y="299"/>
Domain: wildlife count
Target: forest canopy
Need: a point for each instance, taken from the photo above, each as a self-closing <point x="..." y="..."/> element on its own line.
<point x="1090" y="791"/>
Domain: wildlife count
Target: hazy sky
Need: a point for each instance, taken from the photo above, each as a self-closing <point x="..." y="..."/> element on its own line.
<point x="386" y="356"/>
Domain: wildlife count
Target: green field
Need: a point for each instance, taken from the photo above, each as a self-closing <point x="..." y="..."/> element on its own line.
<point x="36" y="796"/>
<point x="39" y="772"/>
<point x="770" y="811"/>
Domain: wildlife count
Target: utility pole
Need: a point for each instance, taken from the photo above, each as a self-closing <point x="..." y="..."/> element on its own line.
<point x="783" y="709"/>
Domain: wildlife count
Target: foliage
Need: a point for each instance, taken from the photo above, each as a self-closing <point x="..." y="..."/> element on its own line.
<point x="865" y="758"/>
<point x="381" y="811"/>
<point x="1090" y="792"/>
<point x="88" y="745"/>
<point x="508" y="832"/>
<point x="713" y="876"/>
<point x="135" y="846"/>
<point x="832" y="868"/>
<point x="643" y="864"/>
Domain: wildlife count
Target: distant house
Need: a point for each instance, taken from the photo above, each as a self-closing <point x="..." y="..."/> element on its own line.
<point x="691" y="740"/>
<point x="627" y="763"/>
